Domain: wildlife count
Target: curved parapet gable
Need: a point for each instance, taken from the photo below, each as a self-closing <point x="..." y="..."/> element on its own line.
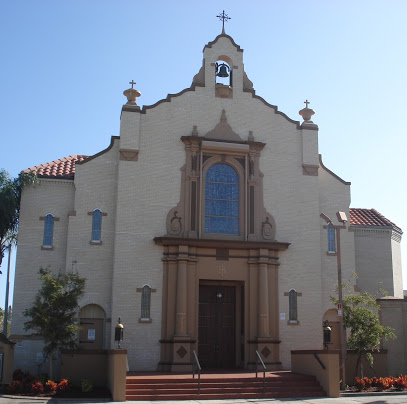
<point x="332" y="173"/>
<point x="254" y="95"/>
<point x="167" y="99"/>
<point x="112" y="140"/>
<point x="210" y="44"/>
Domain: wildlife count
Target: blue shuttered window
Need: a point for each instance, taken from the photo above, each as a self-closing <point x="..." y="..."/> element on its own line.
<point x="222" y="200"/>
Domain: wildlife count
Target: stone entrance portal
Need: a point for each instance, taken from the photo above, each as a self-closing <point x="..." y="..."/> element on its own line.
<point x="220" y="299"/>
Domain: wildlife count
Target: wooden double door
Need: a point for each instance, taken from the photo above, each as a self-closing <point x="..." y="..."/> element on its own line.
<point x="217" y="326"/>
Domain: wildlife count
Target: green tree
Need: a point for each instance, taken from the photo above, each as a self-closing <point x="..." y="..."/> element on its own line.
<point x="53" y="314"/>
<point x="10" y="198"/>
<point x="361" y="317"/>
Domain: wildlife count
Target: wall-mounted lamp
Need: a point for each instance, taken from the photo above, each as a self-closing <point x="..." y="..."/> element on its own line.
<point x="327" y="334"/>
<point x="118" y="333"/>
<point x="219" y="295"/>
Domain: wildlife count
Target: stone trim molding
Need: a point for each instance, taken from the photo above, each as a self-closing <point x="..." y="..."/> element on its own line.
<point x="47" y="248"/>
<point x="96" y="242"/>
<point x="141" y="289"/>
<point x="56" y="219"/>
<point x="72" y="213"/>
<point x="91" y="213"/>
<point x="216" y="243"/>
<point x="128" y="155"/>
<point x="309" y="169"/>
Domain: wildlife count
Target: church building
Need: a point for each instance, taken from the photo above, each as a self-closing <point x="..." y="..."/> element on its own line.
<point x="203" y="226"/>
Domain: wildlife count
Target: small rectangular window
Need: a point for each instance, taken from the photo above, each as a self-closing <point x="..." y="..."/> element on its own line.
<point x="48" y="231"/>
<point x="96" y="226"/>
<point x="145" y="302"/>
<point x="331" y="240"/>
<point x="292" y="302"/>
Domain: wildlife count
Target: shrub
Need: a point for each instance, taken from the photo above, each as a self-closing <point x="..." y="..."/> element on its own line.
<point x="368" y="382"/>
<point x="87" y="386"/>
<point x="18" y="374"/>
<point x="373" y="381"/>
<point x="400" y="383"/>
<point x="359" y="383"/>
<point x="43" y="378"/>
<point x="15" y="387"/>
<point x="36" y="388"/>
<point x="383" y="383"/>
<point x="50" y="386"/>
<point x="63" y="385"/>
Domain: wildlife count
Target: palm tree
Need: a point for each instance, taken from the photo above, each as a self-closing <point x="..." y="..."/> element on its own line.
<point x="10" y="198"/>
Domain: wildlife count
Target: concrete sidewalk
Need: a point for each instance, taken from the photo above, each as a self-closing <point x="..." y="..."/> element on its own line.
<point x="373" y="398"/>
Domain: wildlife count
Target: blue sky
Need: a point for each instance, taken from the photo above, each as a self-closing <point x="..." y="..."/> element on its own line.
<point x="65" y="65"/>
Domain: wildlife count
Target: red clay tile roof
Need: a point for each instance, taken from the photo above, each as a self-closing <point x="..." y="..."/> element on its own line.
<point x="370" y="217"/>
<point x="62" y="168"/>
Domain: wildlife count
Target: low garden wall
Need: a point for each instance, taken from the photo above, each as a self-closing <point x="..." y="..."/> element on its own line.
<point x="322" y="364"/>
<point x="101" y="367"/>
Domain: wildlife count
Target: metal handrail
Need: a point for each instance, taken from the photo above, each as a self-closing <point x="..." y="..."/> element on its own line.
<point x="258" y="359"/>
<point x="319" y="360"/>
<point x="197" y="364"/>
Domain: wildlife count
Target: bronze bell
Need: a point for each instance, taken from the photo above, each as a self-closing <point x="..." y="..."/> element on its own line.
<point x="222" y="70"/>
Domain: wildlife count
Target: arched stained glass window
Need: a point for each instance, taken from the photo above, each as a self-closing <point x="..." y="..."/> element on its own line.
<point x="292" y="296"/>
<point x="222" y="200"/>
<point x="96" y="226"/>
<point x="145" y="302"/>
<point x="48" y="230"/>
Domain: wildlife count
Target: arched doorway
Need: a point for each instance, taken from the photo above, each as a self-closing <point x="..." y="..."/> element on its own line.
<point x="92" y="324"/>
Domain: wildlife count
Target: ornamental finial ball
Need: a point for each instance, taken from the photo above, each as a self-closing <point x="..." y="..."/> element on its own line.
<point x="132" y="94"/>
<point x="306" y="112"/>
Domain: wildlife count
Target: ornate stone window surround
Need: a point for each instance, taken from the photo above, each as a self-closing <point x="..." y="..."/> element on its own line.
<point x="221" y="146"/>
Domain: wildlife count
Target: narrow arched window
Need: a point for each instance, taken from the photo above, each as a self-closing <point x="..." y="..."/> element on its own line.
<point x="292" y="296"/>
<point x="96" y="226"/>
<point x="222" y="200"/>
<point x="331" y="240"/>
<point x="48" y="230"/>
<point x="145" y="302"/>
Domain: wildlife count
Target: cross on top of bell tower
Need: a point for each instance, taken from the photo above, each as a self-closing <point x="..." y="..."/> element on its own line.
<point x="223" y="17"/>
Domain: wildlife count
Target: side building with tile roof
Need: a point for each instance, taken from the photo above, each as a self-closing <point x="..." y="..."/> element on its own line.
<point x="200" y="227"/>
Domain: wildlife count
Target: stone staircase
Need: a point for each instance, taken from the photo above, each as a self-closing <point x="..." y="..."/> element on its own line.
<point x="217" y="386"/>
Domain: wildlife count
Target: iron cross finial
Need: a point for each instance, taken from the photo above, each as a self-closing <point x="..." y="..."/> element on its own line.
<point x="132" y="83"/>
<point x="224" y="17"/>
<point x="306" y="102"/>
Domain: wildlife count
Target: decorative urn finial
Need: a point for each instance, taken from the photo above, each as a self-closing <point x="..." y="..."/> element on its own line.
<point x="307" y="113"/>
<point x="132" y="94"/>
